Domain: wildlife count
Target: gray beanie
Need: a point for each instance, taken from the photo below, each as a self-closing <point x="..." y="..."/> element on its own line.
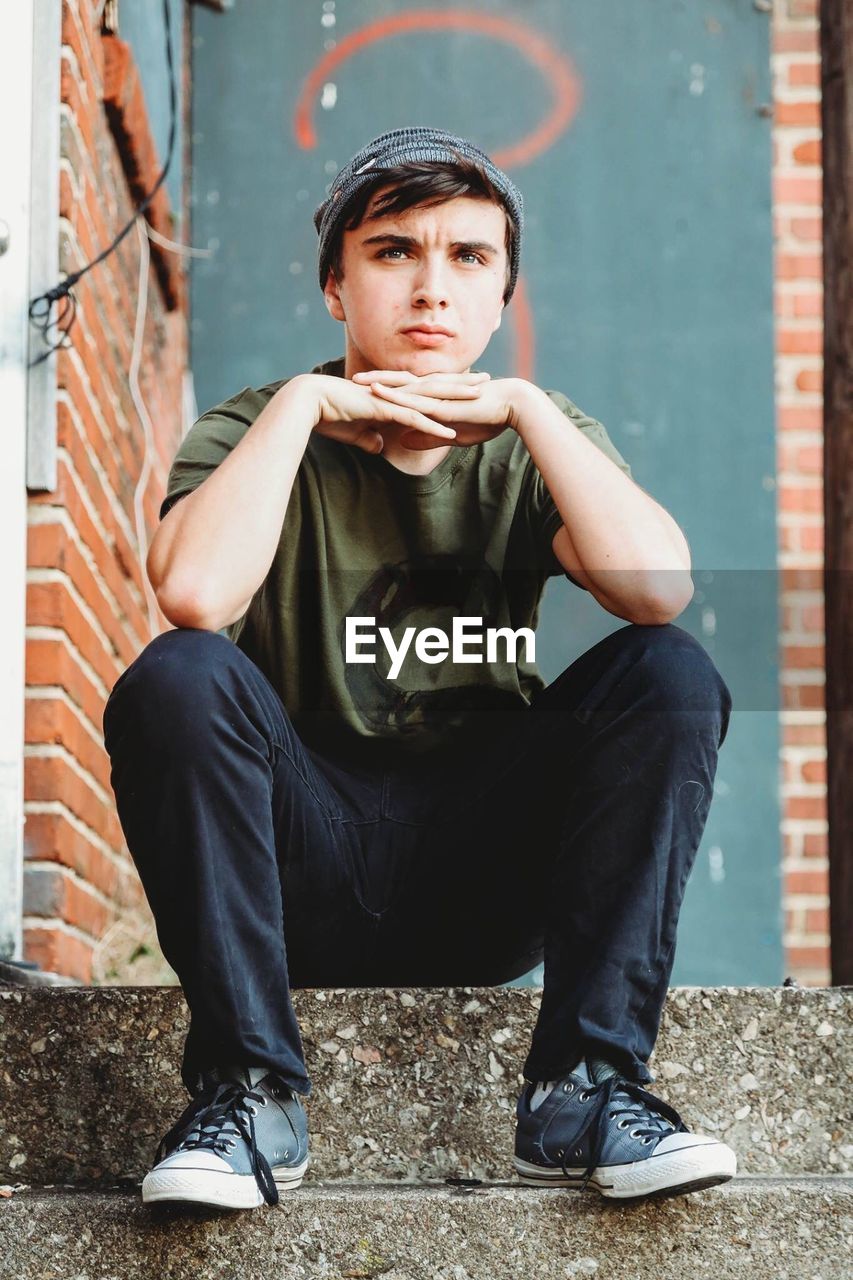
<point x="402" y="146"/>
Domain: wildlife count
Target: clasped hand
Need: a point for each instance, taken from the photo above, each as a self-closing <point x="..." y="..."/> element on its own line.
<point x="474" y="405"/>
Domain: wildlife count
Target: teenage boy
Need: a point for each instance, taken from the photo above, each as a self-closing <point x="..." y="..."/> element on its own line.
<point x="299" y="817"/>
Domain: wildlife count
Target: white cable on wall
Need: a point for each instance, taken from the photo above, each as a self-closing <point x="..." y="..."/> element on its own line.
<point x="147" y="426"/>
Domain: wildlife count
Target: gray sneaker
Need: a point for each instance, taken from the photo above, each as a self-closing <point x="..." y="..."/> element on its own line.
<point x="240" y="1141"/>
<point x="614" y="1136"/>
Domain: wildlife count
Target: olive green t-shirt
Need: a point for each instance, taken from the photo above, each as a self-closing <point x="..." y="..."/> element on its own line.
<point x="363" y="539"/>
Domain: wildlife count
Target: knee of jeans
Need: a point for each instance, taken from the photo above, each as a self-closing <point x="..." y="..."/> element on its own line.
<point x="683" y="672"/>
<point x="171" y="674"/>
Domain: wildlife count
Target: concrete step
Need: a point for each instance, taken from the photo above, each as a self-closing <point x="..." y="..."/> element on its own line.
<point x="414" y="1085"/>
<point x="762" y="1228"/>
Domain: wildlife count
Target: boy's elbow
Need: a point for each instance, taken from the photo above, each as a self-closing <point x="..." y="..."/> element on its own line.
<point x="183" y="608"/>
<point x="187" y="608"/>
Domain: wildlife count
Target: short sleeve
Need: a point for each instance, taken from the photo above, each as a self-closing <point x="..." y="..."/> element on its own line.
<point x="209" y="441"/>
<point x="543" y="514"/>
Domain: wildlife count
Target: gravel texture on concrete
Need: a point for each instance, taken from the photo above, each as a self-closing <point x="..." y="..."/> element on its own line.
<point x="414" y="1084"/>
<point x="760" y="1229"/>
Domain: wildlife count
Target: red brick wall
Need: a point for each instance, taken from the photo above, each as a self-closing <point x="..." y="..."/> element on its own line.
<point x="799" y="343"/>
<point x="87" y="612"/>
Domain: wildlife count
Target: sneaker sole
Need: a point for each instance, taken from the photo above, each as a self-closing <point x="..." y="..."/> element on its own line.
<point x="222" y="1190"/>
<point x="676" y="1173"/>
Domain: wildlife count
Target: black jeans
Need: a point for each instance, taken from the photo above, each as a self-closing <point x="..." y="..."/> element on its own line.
<point x="270" y="866"/>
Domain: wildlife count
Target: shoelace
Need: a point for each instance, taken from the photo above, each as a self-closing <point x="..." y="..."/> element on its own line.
<point x="633" y="1100"/>
<point x="213" y="1119"/>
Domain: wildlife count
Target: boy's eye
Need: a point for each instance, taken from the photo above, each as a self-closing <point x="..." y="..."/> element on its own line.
<point x="395" y="249"/>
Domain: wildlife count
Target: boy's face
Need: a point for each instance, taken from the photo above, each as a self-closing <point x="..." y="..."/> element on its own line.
<point x="442" y="266"/>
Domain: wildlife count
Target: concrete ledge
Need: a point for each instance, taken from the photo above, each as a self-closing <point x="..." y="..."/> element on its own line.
<point x="412" y="1085"/>
<point x="763" y="1229"/>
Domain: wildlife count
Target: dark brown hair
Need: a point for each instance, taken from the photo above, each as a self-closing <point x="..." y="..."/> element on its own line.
<point x="420" y="183"/>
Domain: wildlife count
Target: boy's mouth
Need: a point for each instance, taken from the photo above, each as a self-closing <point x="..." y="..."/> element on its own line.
<point x="428" y="337"/>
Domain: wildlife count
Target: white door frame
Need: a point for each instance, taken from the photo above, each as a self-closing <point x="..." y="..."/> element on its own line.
<point x="30" y="43"/>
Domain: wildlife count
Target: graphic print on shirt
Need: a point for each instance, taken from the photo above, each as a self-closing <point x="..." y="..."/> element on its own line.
<point x="428" y="591"/>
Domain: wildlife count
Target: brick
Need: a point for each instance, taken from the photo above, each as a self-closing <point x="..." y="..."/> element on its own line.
<point x="52" y="837"/>
<point x="796" y="498"/>
<point x="783" y="304"/>
<point x="803" y="735"/>
<point x="808" y="958"/>
<point x="83" y="110"/>
<point x="798" y="9"/>
<point x="812" y="537"/>
<point x="810" y="460"/>
<point x="805" y="807"/>
<point x="799" y="341"/>
<point x="813" y="617"/>
<point x="817" y="921"/>
<point x="799" y="40"/>
<point x="802" y="697"/>
<point x="799" y="266"/>
<point x="49" y="546"/>
<point x="803" y="657"/>
<point x="799" y="417"/>
<point x="58" y="952"/>
<point x="808" y="304"/>
<point x="796" y="113"/>
<point x="111" y="567"/>
<point x="794" y="923"/>
<point x="804" y="228"/>
<point x="799" y="190"/>
<point x="807" y="459"/>
<point x="808" y="152"/>
<point x="810" y="380"/>
<point x="802" y="579"/>
<point x="804" y="73"/>
<point x="113" y="452"/>
<point x="814" y="771"/>
<point x="52" y="778"/>
<point x="56" y="892"/>
<point x="105" y="498"/>
<point x="51" y="604"/>
<point x="804" y="882"/>
<point x="52" y="661"/>
<point x="815" y="844"/>
<point x="86" y="45"/>
<point x="50" y="721"/>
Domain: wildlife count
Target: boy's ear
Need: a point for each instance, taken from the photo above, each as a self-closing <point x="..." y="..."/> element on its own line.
<point x="497" y="323"/>
<point x="331" y="293"/>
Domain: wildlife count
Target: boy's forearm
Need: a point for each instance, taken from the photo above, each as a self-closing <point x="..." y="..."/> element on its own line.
<point x="627" y="544"/>
<point x="214" y="548"/>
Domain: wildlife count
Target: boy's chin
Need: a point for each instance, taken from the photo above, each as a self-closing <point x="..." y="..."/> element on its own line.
<point x="434" y="363"/>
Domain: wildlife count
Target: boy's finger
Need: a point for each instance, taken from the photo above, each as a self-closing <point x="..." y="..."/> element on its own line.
<point x="399" y="377"/>
<point x="410" y="416"/>
<point x="437" y="395"/>
<point x="414" y="399"/>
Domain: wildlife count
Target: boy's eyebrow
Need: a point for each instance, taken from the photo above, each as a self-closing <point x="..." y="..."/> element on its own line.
<point x="409" y="242"/>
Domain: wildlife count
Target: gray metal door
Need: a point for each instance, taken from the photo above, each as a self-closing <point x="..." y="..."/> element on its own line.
<point x="636" y="131"/>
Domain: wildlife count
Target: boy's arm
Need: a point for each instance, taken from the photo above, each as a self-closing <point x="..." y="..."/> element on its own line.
<point x="214" y="548"/>
<point x="632" y="556"/>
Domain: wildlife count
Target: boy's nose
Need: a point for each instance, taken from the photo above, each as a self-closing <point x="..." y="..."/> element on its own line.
<point x="431" y="286"/>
